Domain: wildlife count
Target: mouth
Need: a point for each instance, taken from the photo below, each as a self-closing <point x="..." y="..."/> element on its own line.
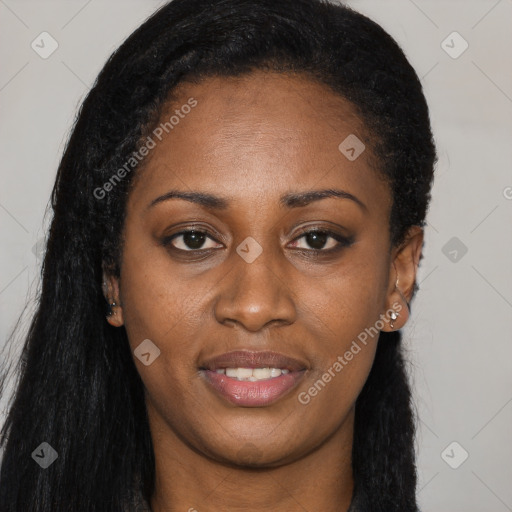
<point x="252" y="379"/>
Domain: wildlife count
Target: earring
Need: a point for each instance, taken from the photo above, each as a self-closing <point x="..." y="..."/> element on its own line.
<point x="400" y="291"/>
<point x="393" y="315"/>
<point x="110" y="306"/>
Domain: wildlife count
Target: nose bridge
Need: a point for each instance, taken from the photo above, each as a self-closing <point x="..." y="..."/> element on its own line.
<point x="255" y="291"/>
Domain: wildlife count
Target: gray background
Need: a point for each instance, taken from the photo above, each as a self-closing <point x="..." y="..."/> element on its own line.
<point x="459" y="336"/>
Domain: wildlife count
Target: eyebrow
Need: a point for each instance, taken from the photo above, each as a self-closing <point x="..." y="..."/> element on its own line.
<point x="290" y="200"/>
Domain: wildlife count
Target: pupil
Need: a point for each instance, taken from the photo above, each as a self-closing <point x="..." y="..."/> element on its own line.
<point x="316" y="239"/>
<point x="194" y="239"/>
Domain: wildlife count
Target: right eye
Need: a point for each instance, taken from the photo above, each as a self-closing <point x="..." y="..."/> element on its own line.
<point x="189" y="240"/>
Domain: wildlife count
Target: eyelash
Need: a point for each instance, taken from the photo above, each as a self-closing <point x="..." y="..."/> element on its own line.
<point x="342" y="241"/>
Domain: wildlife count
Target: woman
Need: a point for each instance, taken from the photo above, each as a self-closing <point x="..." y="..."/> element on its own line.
<point x="245" y="189"/>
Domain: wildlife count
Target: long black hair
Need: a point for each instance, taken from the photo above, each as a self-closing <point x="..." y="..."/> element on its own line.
<point x="78" y="388"/>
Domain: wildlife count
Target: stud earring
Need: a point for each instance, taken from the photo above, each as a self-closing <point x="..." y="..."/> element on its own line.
<point x="111" y="305"/>
<point x="393" y="315"/>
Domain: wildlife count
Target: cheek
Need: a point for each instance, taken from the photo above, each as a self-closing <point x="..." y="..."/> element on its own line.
<point x="347" y="300"/>
<point x="160" y="305"/>
<point x="344" y="320"/>
<point x="157" y="297"/>
<point x="344" y="311"/>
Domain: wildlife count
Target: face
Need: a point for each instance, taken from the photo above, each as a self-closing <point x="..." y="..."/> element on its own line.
<point x="263" y="269"/>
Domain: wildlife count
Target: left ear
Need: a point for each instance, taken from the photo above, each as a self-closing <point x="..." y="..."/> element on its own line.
<point x="402" y="277"/>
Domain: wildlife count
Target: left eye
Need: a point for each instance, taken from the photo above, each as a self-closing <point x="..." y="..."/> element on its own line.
<point x="317" y="239"/>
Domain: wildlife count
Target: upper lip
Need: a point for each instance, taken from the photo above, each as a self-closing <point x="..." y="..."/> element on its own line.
<point x="250" y="359"/>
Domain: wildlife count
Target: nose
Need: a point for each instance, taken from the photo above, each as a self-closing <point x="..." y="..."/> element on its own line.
<point x="255" y="294"/>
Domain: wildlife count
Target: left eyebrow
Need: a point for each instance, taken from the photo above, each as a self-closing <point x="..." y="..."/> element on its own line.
<point x="297" y="200"/>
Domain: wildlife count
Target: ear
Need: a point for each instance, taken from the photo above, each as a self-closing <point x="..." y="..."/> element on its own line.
<point x="402" y="277"/>
<point x="112" y="296"/>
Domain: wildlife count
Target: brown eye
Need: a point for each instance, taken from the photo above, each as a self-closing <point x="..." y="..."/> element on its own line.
<point x="191" y="240"/>
<point x="318" y="239"/>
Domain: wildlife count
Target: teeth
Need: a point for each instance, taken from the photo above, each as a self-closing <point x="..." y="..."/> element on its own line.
<point x="264" y="373"/>
<point x="252" y="374"/>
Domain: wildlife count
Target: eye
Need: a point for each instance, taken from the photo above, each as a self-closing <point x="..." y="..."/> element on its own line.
<point x="318" y="240"/>
<point x="191" y="240"/>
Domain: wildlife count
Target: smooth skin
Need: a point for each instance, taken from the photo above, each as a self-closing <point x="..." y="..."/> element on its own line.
<point x="251" y="140"/>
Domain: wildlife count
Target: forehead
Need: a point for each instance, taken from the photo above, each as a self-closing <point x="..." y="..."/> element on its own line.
<point x="258" y="136"/>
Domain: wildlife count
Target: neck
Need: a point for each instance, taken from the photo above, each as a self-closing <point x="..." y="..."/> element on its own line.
<point x="188" y="480"/>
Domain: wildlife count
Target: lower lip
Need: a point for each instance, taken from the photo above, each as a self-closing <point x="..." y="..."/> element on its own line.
<point x="252" y="394"/>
